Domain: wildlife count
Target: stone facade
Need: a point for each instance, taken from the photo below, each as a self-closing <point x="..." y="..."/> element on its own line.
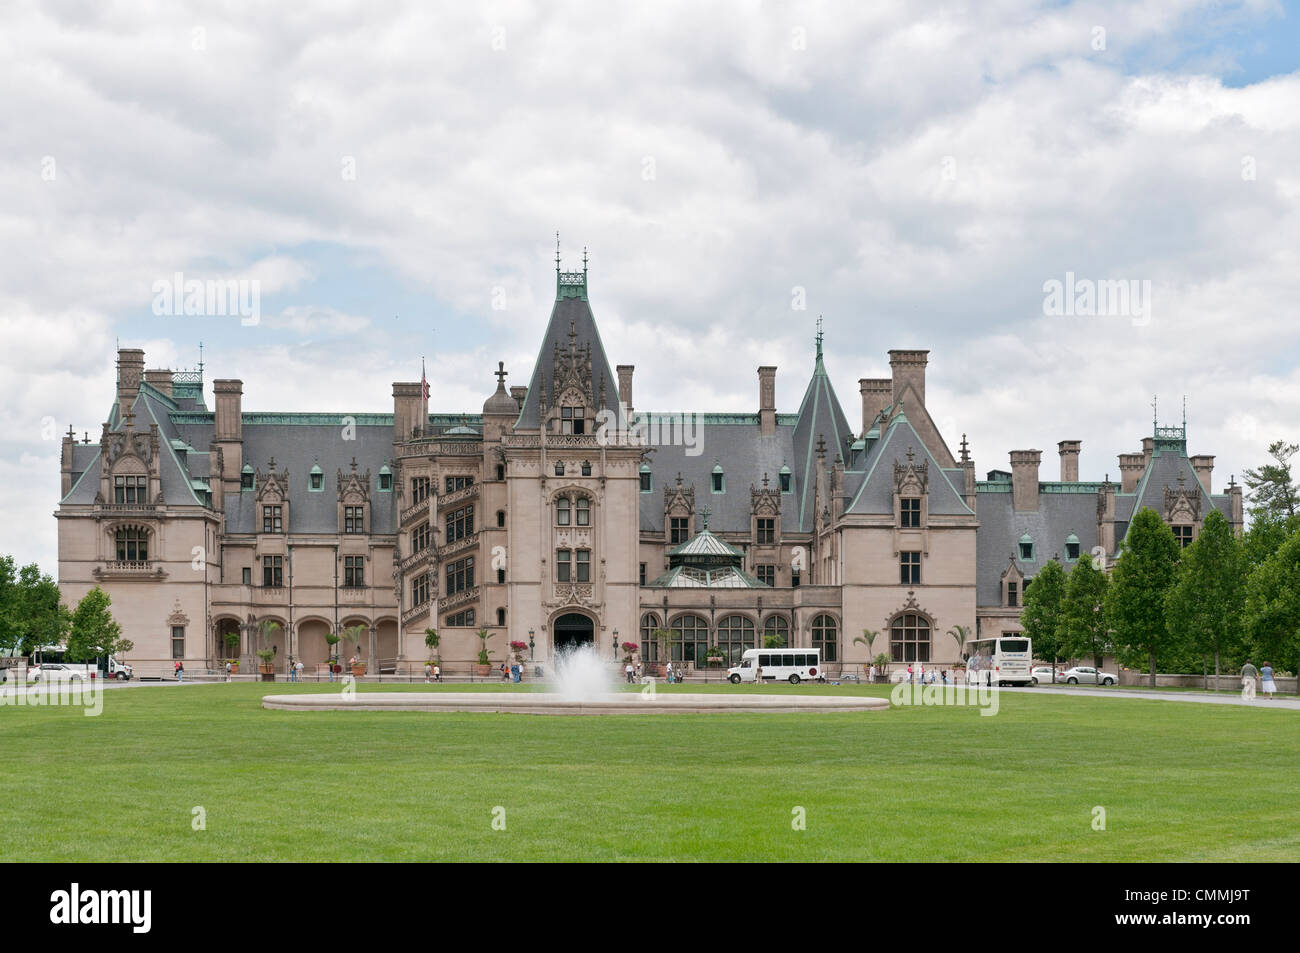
<point x="560" y="514"/>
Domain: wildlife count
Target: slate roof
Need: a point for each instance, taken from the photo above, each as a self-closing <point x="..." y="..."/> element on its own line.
<point x="874" y="493"/>
<point x="575" y="313"/>
<point x="1001" y="526"/>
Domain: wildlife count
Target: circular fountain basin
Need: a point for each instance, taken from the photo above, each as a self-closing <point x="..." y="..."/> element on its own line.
<point x="541" y="703"/>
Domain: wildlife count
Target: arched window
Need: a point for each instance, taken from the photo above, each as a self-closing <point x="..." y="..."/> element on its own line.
<point x="691" y="639"/>
<point x="584" y="511"/>
<point x="776" y="630"/>
<point x="132" y="544"/>
<point x="909" y="638"/>
<point x="735" y="634"/>
<point x="649" y="648"/>
<point x="826" y="636"/>
<point x="562" y="511"/>
<point x="559" y="468"/>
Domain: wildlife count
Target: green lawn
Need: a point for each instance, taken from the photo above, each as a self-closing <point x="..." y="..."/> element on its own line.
<point x="1178" y="782"/>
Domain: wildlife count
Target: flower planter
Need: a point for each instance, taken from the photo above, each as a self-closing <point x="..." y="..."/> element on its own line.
<point x="359" y="669"/>
<point x="483" y="671"/>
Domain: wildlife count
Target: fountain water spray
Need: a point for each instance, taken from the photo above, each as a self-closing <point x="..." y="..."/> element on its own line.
<point x="580" y="675"/>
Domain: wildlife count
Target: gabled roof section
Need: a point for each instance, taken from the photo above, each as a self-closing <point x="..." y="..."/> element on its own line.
<point x="705" y="543"/>
<point x="820" y="416"/>
<point x="572" y="329"/>
<point x="876" y="494"/>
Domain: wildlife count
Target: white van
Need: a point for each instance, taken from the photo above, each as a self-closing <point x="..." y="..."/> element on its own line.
<point x="774" y="665"/>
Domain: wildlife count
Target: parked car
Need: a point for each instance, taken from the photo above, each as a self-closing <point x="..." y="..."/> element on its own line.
<point x="1041" y="674"/>
<point x="1085" y="675"/>
<point x="55" y="672"/>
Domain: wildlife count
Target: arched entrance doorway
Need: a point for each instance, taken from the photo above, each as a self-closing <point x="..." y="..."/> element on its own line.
<point x="572" y="631"/>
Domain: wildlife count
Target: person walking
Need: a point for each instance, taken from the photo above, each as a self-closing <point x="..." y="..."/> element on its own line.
<point x="437" y="672"/>
<point x="180" y="671"/>
<point x="628" y="670"/>
<point x="1248" y="675"/>
<point x="1266" y="680"/>
<point x="297" y="670"/>
<point x="227" y="669"/>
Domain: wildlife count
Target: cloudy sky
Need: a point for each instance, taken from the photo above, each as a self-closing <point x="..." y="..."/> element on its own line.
<point x="392" y="175"/>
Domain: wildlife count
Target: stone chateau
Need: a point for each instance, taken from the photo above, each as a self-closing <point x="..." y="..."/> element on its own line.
<point x="563" y="514"/>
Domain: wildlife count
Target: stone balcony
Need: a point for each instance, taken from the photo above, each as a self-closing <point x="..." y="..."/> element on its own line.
<point x="464" y="544"/>
<point x="129" y="569"/>
<point x="458" y="496"/>
<point x="464" y="597"/>
<point x="415" y="512"/>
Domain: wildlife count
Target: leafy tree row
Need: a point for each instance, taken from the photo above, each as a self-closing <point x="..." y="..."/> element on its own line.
<point x="31" y="616"/>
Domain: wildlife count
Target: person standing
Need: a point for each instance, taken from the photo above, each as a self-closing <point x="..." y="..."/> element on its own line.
<point x="180" y="671"/>
<point x="427" y="668"/>
<point x="437" y="672"/>
<point x="297" y="670"/>
<point x="1248" y="675"/>
<point x="1266" y="680"/>
<point x="627" y="669"/>
<point x="227" y="669"/>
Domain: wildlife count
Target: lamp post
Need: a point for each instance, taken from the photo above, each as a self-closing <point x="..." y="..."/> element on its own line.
<point x="616" y="645"/>
<point x="530" y="645"/>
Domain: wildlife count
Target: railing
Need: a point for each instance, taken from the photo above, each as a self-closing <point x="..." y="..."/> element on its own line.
<point x="435" y="446"/>
<point x="461" y="598"/>
<point x="450" y="549"/>
<point x="407" y="563"/>
<point x="464" y="493"/>
<point x="415" y="510"/>
<point x="129" y="567"/>
<point x="410" y="615"/>
<point x="126" y="507"/>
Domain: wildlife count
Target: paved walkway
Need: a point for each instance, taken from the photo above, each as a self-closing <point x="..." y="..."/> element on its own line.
<point x="1203" y="698"/>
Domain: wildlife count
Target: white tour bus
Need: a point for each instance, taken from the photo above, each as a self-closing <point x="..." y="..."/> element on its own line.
<point x="773" y="665"/>
<point x="1005" y="660"/>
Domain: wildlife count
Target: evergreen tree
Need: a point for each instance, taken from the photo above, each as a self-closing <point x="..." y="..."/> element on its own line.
<point x="1083" y="629"/>
<point x="94" y="631"/>
<point x="1204" y="606"/>
<point x="1273" y="606"/>
<point x="1041" y="614"/>
<point x="1266" y="535"/>
<point x="1135" y="602"/>
<point x="1271" y="489"/>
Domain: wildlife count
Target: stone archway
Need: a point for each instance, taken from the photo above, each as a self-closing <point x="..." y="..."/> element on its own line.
<point x="571" y="631"/>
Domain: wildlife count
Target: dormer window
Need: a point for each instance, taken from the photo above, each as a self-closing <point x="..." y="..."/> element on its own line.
<point x="786" y="480"/>
<point x="572" y="421"/>
<point x="1072" y="548"/>
<point x="316" y="480"/>
<point x="718" y="481"/>
<point x="1183" y="534"/>
<point x="385" y="479"/>
<point x="246" y="478"/>
<point x="1026" y="548"/>
<point x="910" y="512"/>
<point x="272" y="519"/>
<point x="130" y="489"/>
<point x="645" y="479"/>
<point x="1013" y="595"/>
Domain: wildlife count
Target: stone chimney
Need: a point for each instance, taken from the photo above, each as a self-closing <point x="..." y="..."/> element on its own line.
<point x="876" y="395"/>
<point x="767" y="400"/>
<point x="1024" y="479"/>
<point x="624" y="372"/>
<point x="227" y="452"/>
<point x="1069" y="451"/>
<point x="1131" y="468"/>
<point x="130" y="372"/>
<point x="159" y="380"/>
<point x="908" y="367"/>
<point x="407" y="401"/>
<point x="1203" y="464"/>
<point x="1148" y="447"/>
<point x="1238" y="514"/>
<point x="69" y="441"/>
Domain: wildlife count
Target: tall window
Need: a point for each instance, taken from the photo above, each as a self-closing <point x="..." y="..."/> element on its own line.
<point x="419" y="489"/>
<point x="246" y="575"/>
<point x="461" y="618"/>
<point x="910" y="510"/>
<point x="130" y="489"/>
<point x="825" y="636"/>
<point x="775" y="627"/>
<point x="645" y="481"/>
<point x="909" y="638"/>
<point x="649" y="648"/>
<point x="1027" y="550"/>
<point x="419" y="590"/>
<point x="273" y="571"/>
<point x="766" y="527"/>
<point x="178" y="641"/>
<point x="460" y="523"/>
<point x="563" y="565"/>
<point x="642" y="577"/>
<point x="271" y="519"/>
<point x="1013" y="594"/>
<point x="1183" y="534"/>
<point x="354" y="570"/>
<point x="718" y="482"/>
<point x="584" y="565"/>
<point x="785" y="483"/>
<point x="501" y="617"/>
<point x="766" y="574"/>
<point x="691" y="639"/>
<point x="354" y="520"/>
<point x="678" y="530"/>
<point x="909" y="568"/>
<point x="572" y="421"/>
<point x="501" y="471"/>
<point x="795" y="577"/>
<point x="735" y="634"/>
<point x="562" y="512"/>
<point x="132" y="545"/>
<point x="420" y="538"/>
<point x="460" y="575"/>
<point x="584" y="511"/>
<point x="501" y="576"/>
<point x="501" y="518"/>
<point x="455" y="483"/>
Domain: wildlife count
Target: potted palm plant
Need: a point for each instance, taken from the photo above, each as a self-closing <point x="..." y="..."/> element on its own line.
<point x="266" y="655"/>
<point x="355" y="633"/>
<point x="484" y="667"/>
<point x="867" y="638"/>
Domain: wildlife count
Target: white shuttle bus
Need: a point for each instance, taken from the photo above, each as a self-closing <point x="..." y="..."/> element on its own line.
<point x="1007" y="660"/>
<point x="777" y="665"/>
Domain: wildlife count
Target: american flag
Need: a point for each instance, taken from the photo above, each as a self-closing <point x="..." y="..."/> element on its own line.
<point x="424" y="382"/>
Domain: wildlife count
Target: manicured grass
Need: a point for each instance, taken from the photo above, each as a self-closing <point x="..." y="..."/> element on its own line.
<point x="1178" y="781"/>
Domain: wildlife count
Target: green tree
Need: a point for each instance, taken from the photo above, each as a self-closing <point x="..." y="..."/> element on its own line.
<point x="1266" y="535"/>
<point x="1273" y="605"/>
<point x="1271" y="488"/>
<point x="1083" y="629"/>
<point x="9" y="597"/>
<point x="1204" y="605"/>
<point x="42" y="618"/>
<point x="94" y="631"/>
<point x="1041" y="615"/>
<point x="1135" y="601"/>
